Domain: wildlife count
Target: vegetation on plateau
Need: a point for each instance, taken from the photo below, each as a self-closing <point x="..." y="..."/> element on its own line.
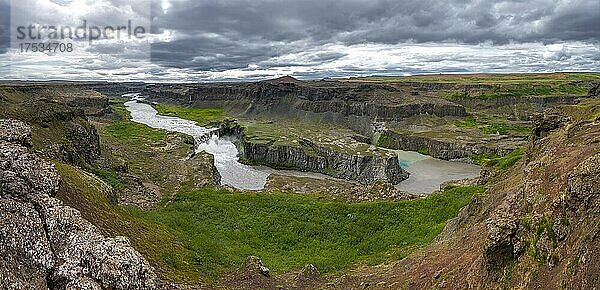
<point x="202" y="116"/>
<point x="488" y="78"/>
<point x="491" y="126"/>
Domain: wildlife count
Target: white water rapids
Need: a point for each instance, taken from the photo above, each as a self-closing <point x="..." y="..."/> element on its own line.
<point x="225" y="153"/>
<point x="426" y="173"/>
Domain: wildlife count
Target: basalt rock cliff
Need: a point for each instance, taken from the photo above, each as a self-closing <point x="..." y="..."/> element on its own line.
<point x="373" y="101"/>
<point x="44" y="244"/>
<point x="312" y="157"/>
<point x="446" y="150"/>
<point x="309" y="156"/>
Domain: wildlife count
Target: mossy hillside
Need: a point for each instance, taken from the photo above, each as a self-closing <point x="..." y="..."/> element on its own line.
<point x="118" y="106"/>
<point x="220" y="228"/>
<point x="127" y="130"/>
<point x="154" y="155"/>
<point x="520" y="90"/>
<point x="494" y="125"/>
<point x="82" y="191"/>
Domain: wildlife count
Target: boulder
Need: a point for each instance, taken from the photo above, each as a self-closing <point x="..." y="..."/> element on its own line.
<point x="254" y="265"/>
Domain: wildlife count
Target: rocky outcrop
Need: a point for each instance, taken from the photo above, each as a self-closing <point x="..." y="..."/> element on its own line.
<point x="254" y="265"/>
<point x="58" y="115"/>
<point x="547" y="122"/>
<point x="583" y="185"/>
<point x="501" y="245"/>
<point x="44" y="244"/>
<point x="594" y="91"/>
<point x="309" y="156"/>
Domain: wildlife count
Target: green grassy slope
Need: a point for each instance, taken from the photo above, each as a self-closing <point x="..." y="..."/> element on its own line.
<point x="220" y="228"/>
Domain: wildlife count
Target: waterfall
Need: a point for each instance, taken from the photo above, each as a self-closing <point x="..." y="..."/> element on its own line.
<point x="225" y="153"/>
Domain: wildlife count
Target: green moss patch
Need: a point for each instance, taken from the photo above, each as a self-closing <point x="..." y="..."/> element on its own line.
<point x="499" y="162"/>
<point x="492" y="125"/>
<point x="200" y="115"/>
<point x="124" y="130"/>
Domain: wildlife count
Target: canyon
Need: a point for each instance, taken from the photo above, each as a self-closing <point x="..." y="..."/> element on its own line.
<point x="111" y="200"/>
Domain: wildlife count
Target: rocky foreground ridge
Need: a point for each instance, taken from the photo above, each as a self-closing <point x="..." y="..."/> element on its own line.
<point x="44" y="244"/>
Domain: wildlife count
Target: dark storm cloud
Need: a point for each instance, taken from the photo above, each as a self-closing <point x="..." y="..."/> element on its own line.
<point x="318" y="38"/>
<point x="4" y="26"/>
<point x="251" y="31"/>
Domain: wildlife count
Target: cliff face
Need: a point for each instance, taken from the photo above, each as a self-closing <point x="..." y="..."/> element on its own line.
<point x="58" y="115"/>
<point x="44" y="244"/>
<point x="437" y="148"/>
<point x="365" y="169"/>
<point x="594" y="91"/>
<point x="370" y="100"/>
<point x="383" y="111"/>
<point x="309" y="156"/>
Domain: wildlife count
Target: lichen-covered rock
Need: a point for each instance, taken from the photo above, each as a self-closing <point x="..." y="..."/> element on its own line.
<point x="83" y="283"/>
<point x="15" y="131"/>
<point x="46" y="244"/>
<point x="26" y="257"/>
<point x="547" y="122"/>
<point x="502" y="229"/>
<point x="583" y="187"/>
<point x="22" y="172"/>
<point x="84" y="251"/>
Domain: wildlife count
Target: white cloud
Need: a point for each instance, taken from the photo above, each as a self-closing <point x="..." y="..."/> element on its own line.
<point x="354" y="60"/>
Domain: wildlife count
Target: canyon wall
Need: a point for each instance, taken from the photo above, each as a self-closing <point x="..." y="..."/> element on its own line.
<point x="309" y="156"/>
<point x="344" y="99"/>
<point x="446" y="150"/>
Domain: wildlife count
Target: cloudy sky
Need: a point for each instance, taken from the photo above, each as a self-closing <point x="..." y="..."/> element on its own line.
<point x="209" y="40"/>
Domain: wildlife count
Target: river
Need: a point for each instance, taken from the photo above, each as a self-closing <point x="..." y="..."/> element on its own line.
<point x="426" y="173"/>
<point x="225" y="153"/>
